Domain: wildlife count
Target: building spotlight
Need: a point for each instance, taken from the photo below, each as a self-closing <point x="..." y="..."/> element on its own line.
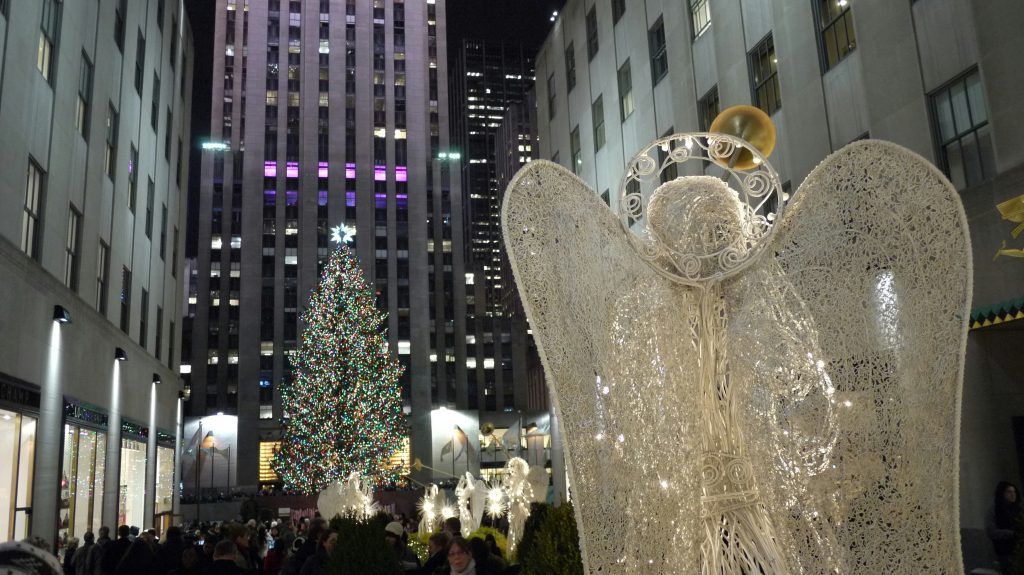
<point x="120" y="354"/>
<point x="156" y="379"/>
<point x="61" y="314"/>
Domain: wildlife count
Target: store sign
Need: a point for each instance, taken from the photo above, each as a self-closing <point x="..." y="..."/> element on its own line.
<point x="18" y="395"/>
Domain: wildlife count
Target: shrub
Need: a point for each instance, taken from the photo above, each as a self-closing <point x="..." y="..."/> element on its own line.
<point x="499" y="538"/>
<point x="362" y="549"/>
<point x="551" y="543"/>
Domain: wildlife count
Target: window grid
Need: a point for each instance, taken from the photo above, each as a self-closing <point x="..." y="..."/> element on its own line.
<point x="625" y="79"/>
<point x="150" y="198"/>
<point x="110" y="156"/>
<point x="570" y="66"/>
<point x="163" y="231"/>
<point x="140" y="61"/>
<point x="133" y="178"/>
<point x="708" y="108"/>
<point x="836" y="34"/>
<point x="575" y="148"/>
<point x="119" y="23"/>
<point x="700" y="16"/>
<point x="671" y="171"/>
<point x="84" y="96"/>
<point x="143" y="318"/>
<point x="31" y="218"/>
<point x="48" y="30"/>
<point x="618" y="9"/>
<point x="592" y="40"/>
<point x="102" y="275"/>
<point x="962" y="133"/>
<point x="159" y="343"/>
<point x="551" y="96"/>
<point x="764" y="75"/>
<point x="126" y="298"/>
<point x="154" y="112"/>
<point x="597" y="117"/>
<point x="71" y="248"/>
<point x="659" y="53"/>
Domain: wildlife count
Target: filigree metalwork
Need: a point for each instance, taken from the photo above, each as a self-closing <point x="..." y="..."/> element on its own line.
<point x="725" y="414"/>
<point x="760" y="194"/>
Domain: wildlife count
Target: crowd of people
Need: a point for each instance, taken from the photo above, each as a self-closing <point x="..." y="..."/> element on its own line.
<point x="285" y="547"/>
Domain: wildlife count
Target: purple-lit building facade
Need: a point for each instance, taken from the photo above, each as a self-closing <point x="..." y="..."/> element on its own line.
<point x="333" y="112"/>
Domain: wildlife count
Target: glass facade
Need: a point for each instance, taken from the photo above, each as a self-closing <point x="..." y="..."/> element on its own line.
<point x="81" y="484"/>
<point x="17" y="448"/>
<point x="132" y="484"/>
<point x="164" y="491"/>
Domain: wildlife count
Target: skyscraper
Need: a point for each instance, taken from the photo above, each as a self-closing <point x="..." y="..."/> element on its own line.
<point x="331" y="113"/>
<point x="488" y="77"/>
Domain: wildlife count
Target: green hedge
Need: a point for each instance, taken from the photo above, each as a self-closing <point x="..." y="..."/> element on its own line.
<point x="361" y="548"/>
<point x="551" y="542"/>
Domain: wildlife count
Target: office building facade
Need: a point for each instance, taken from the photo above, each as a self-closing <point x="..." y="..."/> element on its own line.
<point x="331" y="113"/>
<point x="941" y="78"/>
<point x="95" y="104"/>
<point x="488" y="78"/>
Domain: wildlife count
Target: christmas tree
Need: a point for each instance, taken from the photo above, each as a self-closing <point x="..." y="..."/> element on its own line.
<point x="343" y="407"/>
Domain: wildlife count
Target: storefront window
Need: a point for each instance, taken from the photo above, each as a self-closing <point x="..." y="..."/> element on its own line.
<point x="81" y="486"/>
<point x="133" y="484"/>
<point x="17" y="447"/>
<point x="164" y="480"/>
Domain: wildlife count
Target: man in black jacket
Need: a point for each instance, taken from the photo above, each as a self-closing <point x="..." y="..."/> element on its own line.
<point x="224" y="556"/>
<point x="294" y="565"/>
<point x="438" y="546"/>
<point x="115" y="550"/>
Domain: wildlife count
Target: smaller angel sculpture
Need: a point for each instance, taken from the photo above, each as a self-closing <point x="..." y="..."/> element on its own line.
<point x="471" y="496"/>
<point x="519" y="493"/>
<point x="349" y="497"/>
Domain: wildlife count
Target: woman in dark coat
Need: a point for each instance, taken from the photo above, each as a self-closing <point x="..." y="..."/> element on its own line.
<point x="1002" y="524"/>
<point x="461" y="562"/>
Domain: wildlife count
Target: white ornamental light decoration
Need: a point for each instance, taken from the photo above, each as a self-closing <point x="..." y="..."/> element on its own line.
<point x="749" y="385"/>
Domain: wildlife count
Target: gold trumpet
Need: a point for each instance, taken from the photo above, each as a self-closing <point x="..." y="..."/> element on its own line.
<point x="750" y="124"/>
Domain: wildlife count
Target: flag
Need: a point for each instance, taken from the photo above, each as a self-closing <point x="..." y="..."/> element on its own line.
<point x="458" y="444"/>
<point x="510" y="440"/>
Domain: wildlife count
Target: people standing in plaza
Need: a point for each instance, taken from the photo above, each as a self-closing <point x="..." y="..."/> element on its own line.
<point x="316" y="527"/>
<point x="81" y="557"/>
<point x="317" y="563"/>
<point x="1002" y="524"/>
<point x="138" y="560"/>
<point x="69" y="554"/>
<point x="169" y="553"/>
<point x="93" y="561"/>
<point x="460" y="560"/>
<point x="394" y="534"/>
<point x="224" y="556"/>
<point x="114" y="551"/>
<point x="189" y="563"/>
<point x="437" y="545"/>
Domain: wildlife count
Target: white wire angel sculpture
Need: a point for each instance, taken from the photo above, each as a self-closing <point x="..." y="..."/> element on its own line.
<point x="519" y="494"/>
<point x="747" y="387"/>
<point x="471" y="497"/>
<point x="349" y="497"/>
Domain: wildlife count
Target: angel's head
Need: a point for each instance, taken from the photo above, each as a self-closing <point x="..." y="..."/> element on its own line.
<point x="698" y="215"/>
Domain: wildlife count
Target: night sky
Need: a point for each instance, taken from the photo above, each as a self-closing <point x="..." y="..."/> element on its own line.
<point x="523" y="21"/>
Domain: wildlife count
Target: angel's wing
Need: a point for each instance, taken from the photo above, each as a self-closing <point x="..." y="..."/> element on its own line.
<point x="615" y="340"/>
<point x="857" y="439"/>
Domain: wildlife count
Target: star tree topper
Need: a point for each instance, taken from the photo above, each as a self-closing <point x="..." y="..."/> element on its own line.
<point x="343" y="234"/>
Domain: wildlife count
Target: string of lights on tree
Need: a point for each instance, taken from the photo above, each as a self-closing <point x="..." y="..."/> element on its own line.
<point x="343" y="406"/>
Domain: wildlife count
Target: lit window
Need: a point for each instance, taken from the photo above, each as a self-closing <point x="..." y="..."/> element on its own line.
<point x="765" y="76"/>
<point x="625" y="79"/>
<point x="835" y="27"/>
<point x="700" y="16"/>
<point x="962" y="132"/>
